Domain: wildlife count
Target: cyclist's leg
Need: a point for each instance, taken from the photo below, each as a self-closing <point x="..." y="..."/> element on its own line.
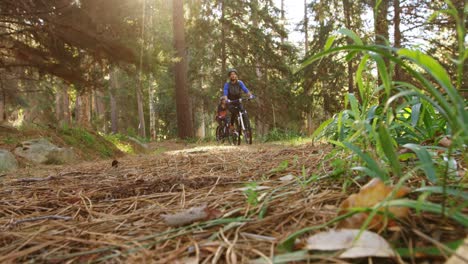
<point x="234" y="111"/>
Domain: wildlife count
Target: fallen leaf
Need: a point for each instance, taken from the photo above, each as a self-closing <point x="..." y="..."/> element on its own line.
<point x="371" y="194"/>
<point x="191" y="215"/>
<point x="187" y="260"/>
<point x="369" y="244"/>
<point x="254" y="188"/>
<point x="288" y="177"/>
<point x="445" y="142"/>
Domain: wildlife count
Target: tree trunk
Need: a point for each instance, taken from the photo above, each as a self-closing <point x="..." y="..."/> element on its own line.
<point x="114" y="86"/>
<point x="139" y="87"/>
<point x="100" y="110"/>
<point x="283" y="21"/>
<point x="152" y="109"/>
<point x="381" y="32"/>
<point x="223" y="38"/>
<point x="3" y="116"/>
<point x="62" y="106"/>
<point x="309" y="121"/>
<point x="201" y="131"/>
<point x="306" y="29"/>
<point x="141" y="114"/>
<point x="184" y="116"/>
<point x="83" y="110"/>
<point x="347" y="9"/>
<point x="397" y="35"/>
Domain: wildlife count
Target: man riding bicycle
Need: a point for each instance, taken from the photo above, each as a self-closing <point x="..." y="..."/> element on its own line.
<point x="232" y="91"/>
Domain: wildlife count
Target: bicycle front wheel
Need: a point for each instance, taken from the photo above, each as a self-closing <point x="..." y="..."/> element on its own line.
<point x="247" y="131"/>
<point x="236" y="134"/>
<point x="248" y="136"/>
<point x="219" y="134"/>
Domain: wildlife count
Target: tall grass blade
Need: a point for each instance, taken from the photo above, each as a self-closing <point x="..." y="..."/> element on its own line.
<point x="371" y="163"/>
<point x="386" y="142"/>
<point x="351" y="35"/>
<point x="430" y="207"/>
<point x="427" y="165"/>
<point x="321" y="128"/>
<point x="383" y="73"/>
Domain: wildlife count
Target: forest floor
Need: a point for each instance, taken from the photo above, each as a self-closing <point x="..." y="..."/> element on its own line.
<point x="97" y="212"/>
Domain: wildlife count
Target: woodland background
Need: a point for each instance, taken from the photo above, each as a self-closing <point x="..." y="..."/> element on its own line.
<point x="155" y="68"/>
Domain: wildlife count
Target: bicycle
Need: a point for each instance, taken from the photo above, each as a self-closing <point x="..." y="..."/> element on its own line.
<point x="242" y="123"/>
<point x="222" y="132"/>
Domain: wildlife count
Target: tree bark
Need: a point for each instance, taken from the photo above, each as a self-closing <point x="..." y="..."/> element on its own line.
<point x="347" y="9"/>
<point x="381" y="32"/>
<point x="223" y="38"/>
<point x="139" y="87"/>
<point x="306" y="30"/>
<point x="114" y="86"/>
<point x="397" y="34"/>
<point x="152" y="109"/>
<point x="62" y="107"/>
<point x="100" y="110"/>
<point x="282" y="19"/>
<point x="83" y="110"/>
<point x="184" y="116"/>
<point x="3" y="115"/>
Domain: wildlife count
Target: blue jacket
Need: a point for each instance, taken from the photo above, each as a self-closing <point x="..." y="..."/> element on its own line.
<point x="241" y="84"/>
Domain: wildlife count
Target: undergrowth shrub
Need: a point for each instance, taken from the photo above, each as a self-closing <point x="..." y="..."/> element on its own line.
<point x="396" y="128"/>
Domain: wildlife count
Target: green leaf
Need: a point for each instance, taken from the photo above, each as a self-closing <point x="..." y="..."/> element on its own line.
<point x="354" y="105"/>
<point x="428" y="251"/>
<point x="386" y="142"/>
<point x="321" y="128"/>
<point x="427" y="165"/>
<point x="457" y="192"/>
<point x="415" y="112"/>
<point x="359" y="78"/>
<point x="383" y="73"/>
<point x="367" y="171"/>
<point x="429" y="207"/>
<point x="351" y="35"/>
<point x="329" y="42"/>
<point x="371" y="163"/>
<point x="433" y="68"/>
<point x="337" y="143"/>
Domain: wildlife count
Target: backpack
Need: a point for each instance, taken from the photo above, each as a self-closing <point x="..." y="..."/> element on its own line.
<point x="234" y="91"/>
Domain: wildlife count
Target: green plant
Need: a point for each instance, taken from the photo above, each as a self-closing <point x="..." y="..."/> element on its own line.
<point x="399" y="115"/>
<point x="278" y="134"/>
<point x="305" y="179"/>
<point x="251" y="193"/>
<point x="10" y="140"/>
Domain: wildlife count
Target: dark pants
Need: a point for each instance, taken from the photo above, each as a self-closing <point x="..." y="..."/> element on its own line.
<point x="234" y="109"/>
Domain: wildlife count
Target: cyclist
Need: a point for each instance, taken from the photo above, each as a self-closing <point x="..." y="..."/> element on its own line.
<point x="221" y="114"/>
<point x="232" y="91"/>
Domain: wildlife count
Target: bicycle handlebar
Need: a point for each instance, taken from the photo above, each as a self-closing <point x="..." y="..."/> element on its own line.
<point x="240" y="100"/>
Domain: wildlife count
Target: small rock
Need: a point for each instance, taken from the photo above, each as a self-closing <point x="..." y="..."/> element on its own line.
<point x="7" y="161"/>
<point x="42" y="151"/>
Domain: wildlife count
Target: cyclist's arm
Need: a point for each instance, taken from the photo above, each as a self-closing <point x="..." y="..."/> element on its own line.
<point x="243" y="87"/>
<point x="225" y="90"/>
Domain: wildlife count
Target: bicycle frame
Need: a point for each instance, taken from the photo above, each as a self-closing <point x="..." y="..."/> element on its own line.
<point x="242" y="113"/>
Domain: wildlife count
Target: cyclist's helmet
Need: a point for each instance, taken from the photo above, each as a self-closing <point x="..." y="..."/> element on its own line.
<point x="231" y="70"/>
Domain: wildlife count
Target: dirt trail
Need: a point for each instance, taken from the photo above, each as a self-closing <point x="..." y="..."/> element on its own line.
<point x="102" y="213"/>
<point x="115" y="210"/>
